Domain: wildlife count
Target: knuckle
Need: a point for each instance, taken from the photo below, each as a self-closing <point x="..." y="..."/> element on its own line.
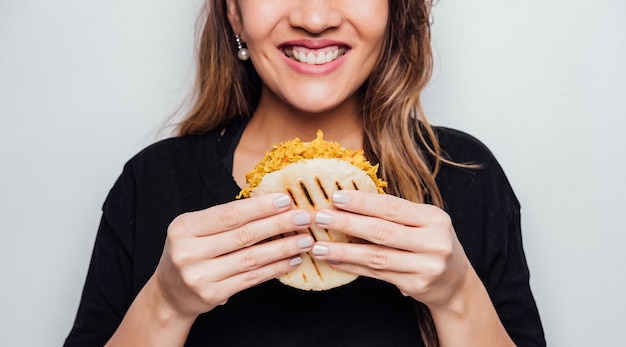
<point x="243" y="236"/>
<point x="229" y="217"/>
<point x="441" y="218"/>
<point x="377" y="273"/>
<point x="446" y="250"/>
<point x="285" y="249"/>
<point x="180" y="258"/>
<point x="391" y="208"/>
<point x="192" y="279"/>
<point x="281" y="224"/>
<point x="179" y="225"/>
<point x="420" y="285"/>
<point x="378" y="260"/>
<point x="436" y="268"/>
<point x="251" y="259"/>
<point x="443" y="248"/>
<point x="381" y="232"/>
<point x="213" y="296"/>
<point x="254" y="277"/>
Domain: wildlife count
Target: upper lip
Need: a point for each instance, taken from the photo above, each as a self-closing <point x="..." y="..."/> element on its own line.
<point x="313" y="44"/>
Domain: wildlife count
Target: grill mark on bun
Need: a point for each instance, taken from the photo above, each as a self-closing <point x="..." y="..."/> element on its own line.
<point x="307" y="194"/>
<point x="330" y="236"/>
<point x="293" y="198"/>
<point x="319" y="184"/>
<point x="338" y="185"/>
<point x="317" y="269"/>
<point x="312" y="234"/>
<point x="356" y="187"/>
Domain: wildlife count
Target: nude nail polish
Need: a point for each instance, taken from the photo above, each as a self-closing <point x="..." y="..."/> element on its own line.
<point x="282" y="201"/>
<point x="295" y="261"/>
<point x="323" y="218"/>
<point x="301" y="219"/>
<point x="319" y="250"/>
<point x="305" y="242"/>
<point x="341" y="197"/>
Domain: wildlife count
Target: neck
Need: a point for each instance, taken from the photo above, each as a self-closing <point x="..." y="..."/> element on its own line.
<point x="275" y="121"/>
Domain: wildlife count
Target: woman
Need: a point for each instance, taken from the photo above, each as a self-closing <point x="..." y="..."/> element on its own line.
<point x="177" y="260"/>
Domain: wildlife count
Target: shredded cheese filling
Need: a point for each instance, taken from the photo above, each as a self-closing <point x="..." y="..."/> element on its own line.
<point x="289" y="152"/>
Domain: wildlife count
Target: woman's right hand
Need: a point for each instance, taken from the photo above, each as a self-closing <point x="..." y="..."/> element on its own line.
<point x="212" y="254"/>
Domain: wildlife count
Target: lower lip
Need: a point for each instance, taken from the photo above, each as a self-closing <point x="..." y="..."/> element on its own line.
<point x="307" y="69"/>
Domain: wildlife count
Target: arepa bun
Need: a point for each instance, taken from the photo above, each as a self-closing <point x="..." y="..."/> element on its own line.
<point x="311" y="183"/>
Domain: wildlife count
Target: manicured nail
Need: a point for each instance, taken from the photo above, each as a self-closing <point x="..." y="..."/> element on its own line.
<point x="323" y="218"/>
<point x="341" y="197"/>
<point x="305" y="242"/>
<point x="302" y="219"/>
<point x="319" y="250"/>
<point x="282" y="201"/>
<point x="295" y="261"/>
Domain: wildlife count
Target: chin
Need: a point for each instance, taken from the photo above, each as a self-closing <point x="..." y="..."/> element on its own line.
<point x="316" y="108"/>
<point x="319" y="104"/>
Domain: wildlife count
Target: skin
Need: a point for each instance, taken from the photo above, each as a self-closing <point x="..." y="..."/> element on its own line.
<point x="212" y="254"/>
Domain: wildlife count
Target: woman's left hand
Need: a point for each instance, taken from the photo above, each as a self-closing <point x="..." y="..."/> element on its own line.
<point x="413" y="246"/>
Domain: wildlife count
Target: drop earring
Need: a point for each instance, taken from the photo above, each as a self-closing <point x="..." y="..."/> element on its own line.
<point x="242" y="52"/>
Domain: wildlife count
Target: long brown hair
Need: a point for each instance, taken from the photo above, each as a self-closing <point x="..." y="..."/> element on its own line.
<point x="227" y="89"/>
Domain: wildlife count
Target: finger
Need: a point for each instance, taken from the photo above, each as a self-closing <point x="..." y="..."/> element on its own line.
<point x="230" y="215"/>
<point x="372" y="229"/>
<point x="216" y="293"/>
<point x="257" y="256"/>
<point x="257" y="231"/>
<point x="189" y="250"/>
<point x="375" y="265"/>
<point x="372" y="257"/>
<point x="259" y="275"/>
<point x="388" y="207"/>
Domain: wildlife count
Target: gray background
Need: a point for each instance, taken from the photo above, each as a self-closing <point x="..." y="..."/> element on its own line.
<point x="84" y="85"/>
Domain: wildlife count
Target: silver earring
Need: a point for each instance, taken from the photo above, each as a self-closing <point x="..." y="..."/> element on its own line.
<point x="242" y="52"/>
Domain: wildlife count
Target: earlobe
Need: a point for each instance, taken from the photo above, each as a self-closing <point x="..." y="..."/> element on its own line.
<point x="234" y="16"/>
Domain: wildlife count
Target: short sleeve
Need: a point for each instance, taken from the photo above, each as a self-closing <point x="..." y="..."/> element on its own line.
<point x="108" y="291"/>
<point x="486" y="216"/>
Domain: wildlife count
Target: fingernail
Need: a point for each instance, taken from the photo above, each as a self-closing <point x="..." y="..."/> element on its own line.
<point x="319" y="250"/>
<point x="305" y="242"/>
<point x="323" y="218"/>
<point x="341" y="197"/>
<point x="282" y="201"/>
<point x="295" y="261"/>
<point x="302" y="219"/>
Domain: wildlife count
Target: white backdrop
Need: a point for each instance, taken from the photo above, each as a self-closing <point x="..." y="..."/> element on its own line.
<point x="86" y="84"/>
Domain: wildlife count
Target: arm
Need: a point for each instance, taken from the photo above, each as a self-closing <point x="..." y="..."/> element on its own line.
<point x="414" y="246"/>
<point x="208" y="256"/>
<point x="469" y="318"/>
<point x="150" y="322"/>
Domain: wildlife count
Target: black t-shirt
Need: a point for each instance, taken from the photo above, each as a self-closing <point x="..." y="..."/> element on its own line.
<point x="191" y="173"/>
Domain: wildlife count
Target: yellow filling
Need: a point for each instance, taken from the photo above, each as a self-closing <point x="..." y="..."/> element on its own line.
<point x="289" y="152"/>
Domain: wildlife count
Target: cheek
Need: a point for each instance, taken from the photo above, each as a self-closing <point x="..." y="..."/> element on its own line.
<point x="371" y="23"/>
<point x="258" y="21"/>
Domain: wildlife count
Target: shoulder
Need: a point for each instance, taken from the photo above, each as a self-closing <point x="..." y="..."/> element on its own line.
<point x="484" y="182"/>
<point x="461" y="147"/>
<point x="173" y="149"/>
<point x="167" y="162"/>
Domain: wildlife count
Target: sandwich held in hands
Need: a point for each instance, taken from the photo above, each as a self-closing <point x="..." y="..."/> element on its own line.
<point x="310" y="172"/>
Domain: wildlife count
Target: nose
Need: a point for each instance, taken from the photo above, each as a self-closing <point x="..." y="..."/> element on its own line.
<point x="315" y="16"/>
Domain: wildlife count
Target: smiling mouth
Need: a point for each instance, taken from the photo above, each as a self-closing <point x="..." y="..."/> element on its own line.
<point x="314" y="56"/>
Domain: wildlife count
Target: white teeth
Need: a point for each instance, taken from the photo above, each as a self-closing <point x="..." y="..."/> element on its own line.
<point x="314" y="59"/>
<point x="321" y="58"/>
